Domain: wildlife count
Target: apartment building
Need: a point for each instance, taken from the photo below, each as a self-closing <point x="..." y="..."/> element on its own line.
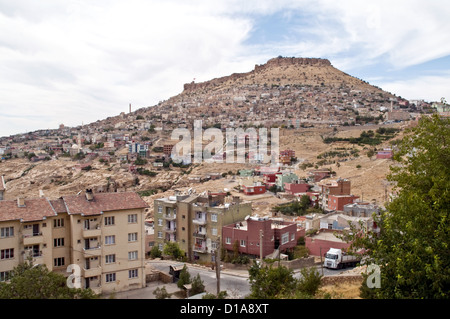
<point x="103" y="234"/>
<point x="337" y="202"/>
<point x="338" y="187"/>
<point x="195" y="221"/>
<point x="260" y="236"/>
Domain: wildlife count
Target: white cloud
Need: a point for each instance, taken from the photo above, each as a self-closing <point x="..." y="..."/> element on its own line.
<point x="429" y="88"/>
<point x="79" y="61"/>
<point x="85" y="62"/>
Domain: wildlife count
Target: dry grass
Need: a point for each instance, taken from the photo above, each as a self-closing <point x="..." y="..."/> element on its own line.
<point x="341" y="287"/>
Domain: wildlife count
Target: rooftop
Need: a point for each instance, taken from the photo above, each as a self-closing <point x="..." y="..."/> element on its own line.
<point x="31" y="210"/>
<point x="103" y="202"/>
<point x="324" y="235"/>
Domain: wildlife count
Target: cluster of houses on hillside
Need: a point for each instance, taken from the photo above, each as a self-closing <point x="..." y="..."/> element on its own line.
<point x="200" y="223"/>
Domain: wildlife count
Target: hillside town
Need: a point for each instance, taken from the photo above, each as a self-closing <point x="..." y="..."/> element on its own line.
<point x="110" y="191"/>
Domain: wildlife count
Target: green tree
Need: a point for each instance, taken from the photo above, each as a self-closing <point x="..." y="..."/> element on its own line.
<point x="222" y="295"/>
<point x="305" y="202"/>
<point x="161" y="293"/>
<point x="185" y="277"/>
<point x="197" y="285"/>
<point x="235" y="249"/>
<point x="309" y="281"/>
<point x="267" y="282"/>
<point x="412" y="248"/>
<point x="173" y="249"/>
<point x="37" y="282"/>
<point x="155" y="252"/>
<point x="370" y="153"/>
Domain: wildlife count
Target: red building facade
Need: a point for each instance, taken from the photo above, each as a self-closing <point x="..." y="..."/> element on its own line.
<point x="337" y="202"/>
<point x="275" y="235"/>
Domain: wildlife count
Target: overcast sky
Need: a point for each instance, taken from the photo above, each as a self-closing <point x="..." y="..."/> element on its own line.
<point x="75" y="62"/>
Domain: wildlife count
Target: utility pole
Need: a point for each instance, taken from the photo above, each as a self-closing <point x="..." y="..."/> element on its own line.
<point x="261" y="235"/>
<point x="217" y="261"/>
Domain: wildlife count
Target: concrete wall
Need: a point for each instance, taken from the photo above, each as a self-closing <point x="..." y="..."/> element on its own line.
<point x="298" y="263"/>
<point x="319" y="247"/>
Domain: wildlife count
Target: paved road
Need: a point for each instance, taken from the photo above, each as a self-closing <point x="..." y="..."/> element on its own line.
<point x="235" y="282"/>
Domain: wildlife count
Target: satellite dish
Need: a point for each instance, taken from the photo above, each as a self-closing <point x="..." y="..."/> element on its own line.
<point x="247" y="217"/>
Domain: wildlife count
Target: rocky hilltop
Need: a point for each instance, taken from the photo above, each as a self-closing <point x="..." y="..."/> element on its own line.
<point x="271" y="64"/>
<point x="283" y="91"/>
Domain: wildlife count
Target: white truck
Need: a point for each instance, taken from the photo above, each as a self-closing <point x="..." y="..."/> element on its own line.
<point x="336" y="259"/>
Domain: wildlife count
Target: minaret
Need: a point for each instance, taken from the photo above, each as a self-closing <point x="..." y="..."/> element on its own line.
<point x="79" y="142"/>
<point x="130" y="108"/>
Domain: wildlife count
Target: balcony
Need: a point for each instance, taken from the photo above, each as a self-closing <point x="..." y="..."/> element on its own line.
<point x="170" y="216"/>
<point x="199" y="235"/>
<point x="200" y="249"/>
<point x="33" y="239"/>
<point x="92" y="271"/>
<point x="92" y="252"/>
<point x="199" y="221"/>
<point x="170" y="230"/>
<point x="92" y="232"/>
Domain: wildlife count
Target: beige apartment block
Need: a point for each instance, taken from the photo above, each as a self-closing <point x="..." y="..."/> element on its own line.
<point x="195" y="222"/>
<point x="100" y="236"/>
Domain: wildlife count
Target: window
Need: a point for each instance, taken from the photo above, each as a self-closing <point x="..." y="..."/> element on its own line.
<point x="132" y="273"/>
<point x="214" y="245"/>
<point x="284" y="238"/>
<point x="132" y="237"/>
<point x="214" y="231"/>
<point x="132" y="255"/>
<point x="109" y="221"/>
<point x="242" y="243"/>
<point x="292" y="237"/>
<point x="5" y="275"/>
<point x="214" y="217"/>
<point x="160" y="235"/>
<point x="159" y="209"/>
<point x="110" y="277"/>
<point x="110" y="259"/>
<point x="58" y="242"/>
<point x="160" y="222"/>
<point x="6" y="232"/>
<point x="58" y="222"/>
<point x="58" y="262"/>
<point x="110" y="240"/>
<point x="228" y="240"/>
<point x="7" y="253"/>
<point x="132" y="219"/>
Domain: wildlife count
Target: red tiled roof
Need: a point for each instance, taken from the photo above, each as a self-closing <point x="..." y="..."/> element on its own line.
<point x="34" y="209"/>
<point x="103" y="202"/>
<point x="58" y="205"/>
